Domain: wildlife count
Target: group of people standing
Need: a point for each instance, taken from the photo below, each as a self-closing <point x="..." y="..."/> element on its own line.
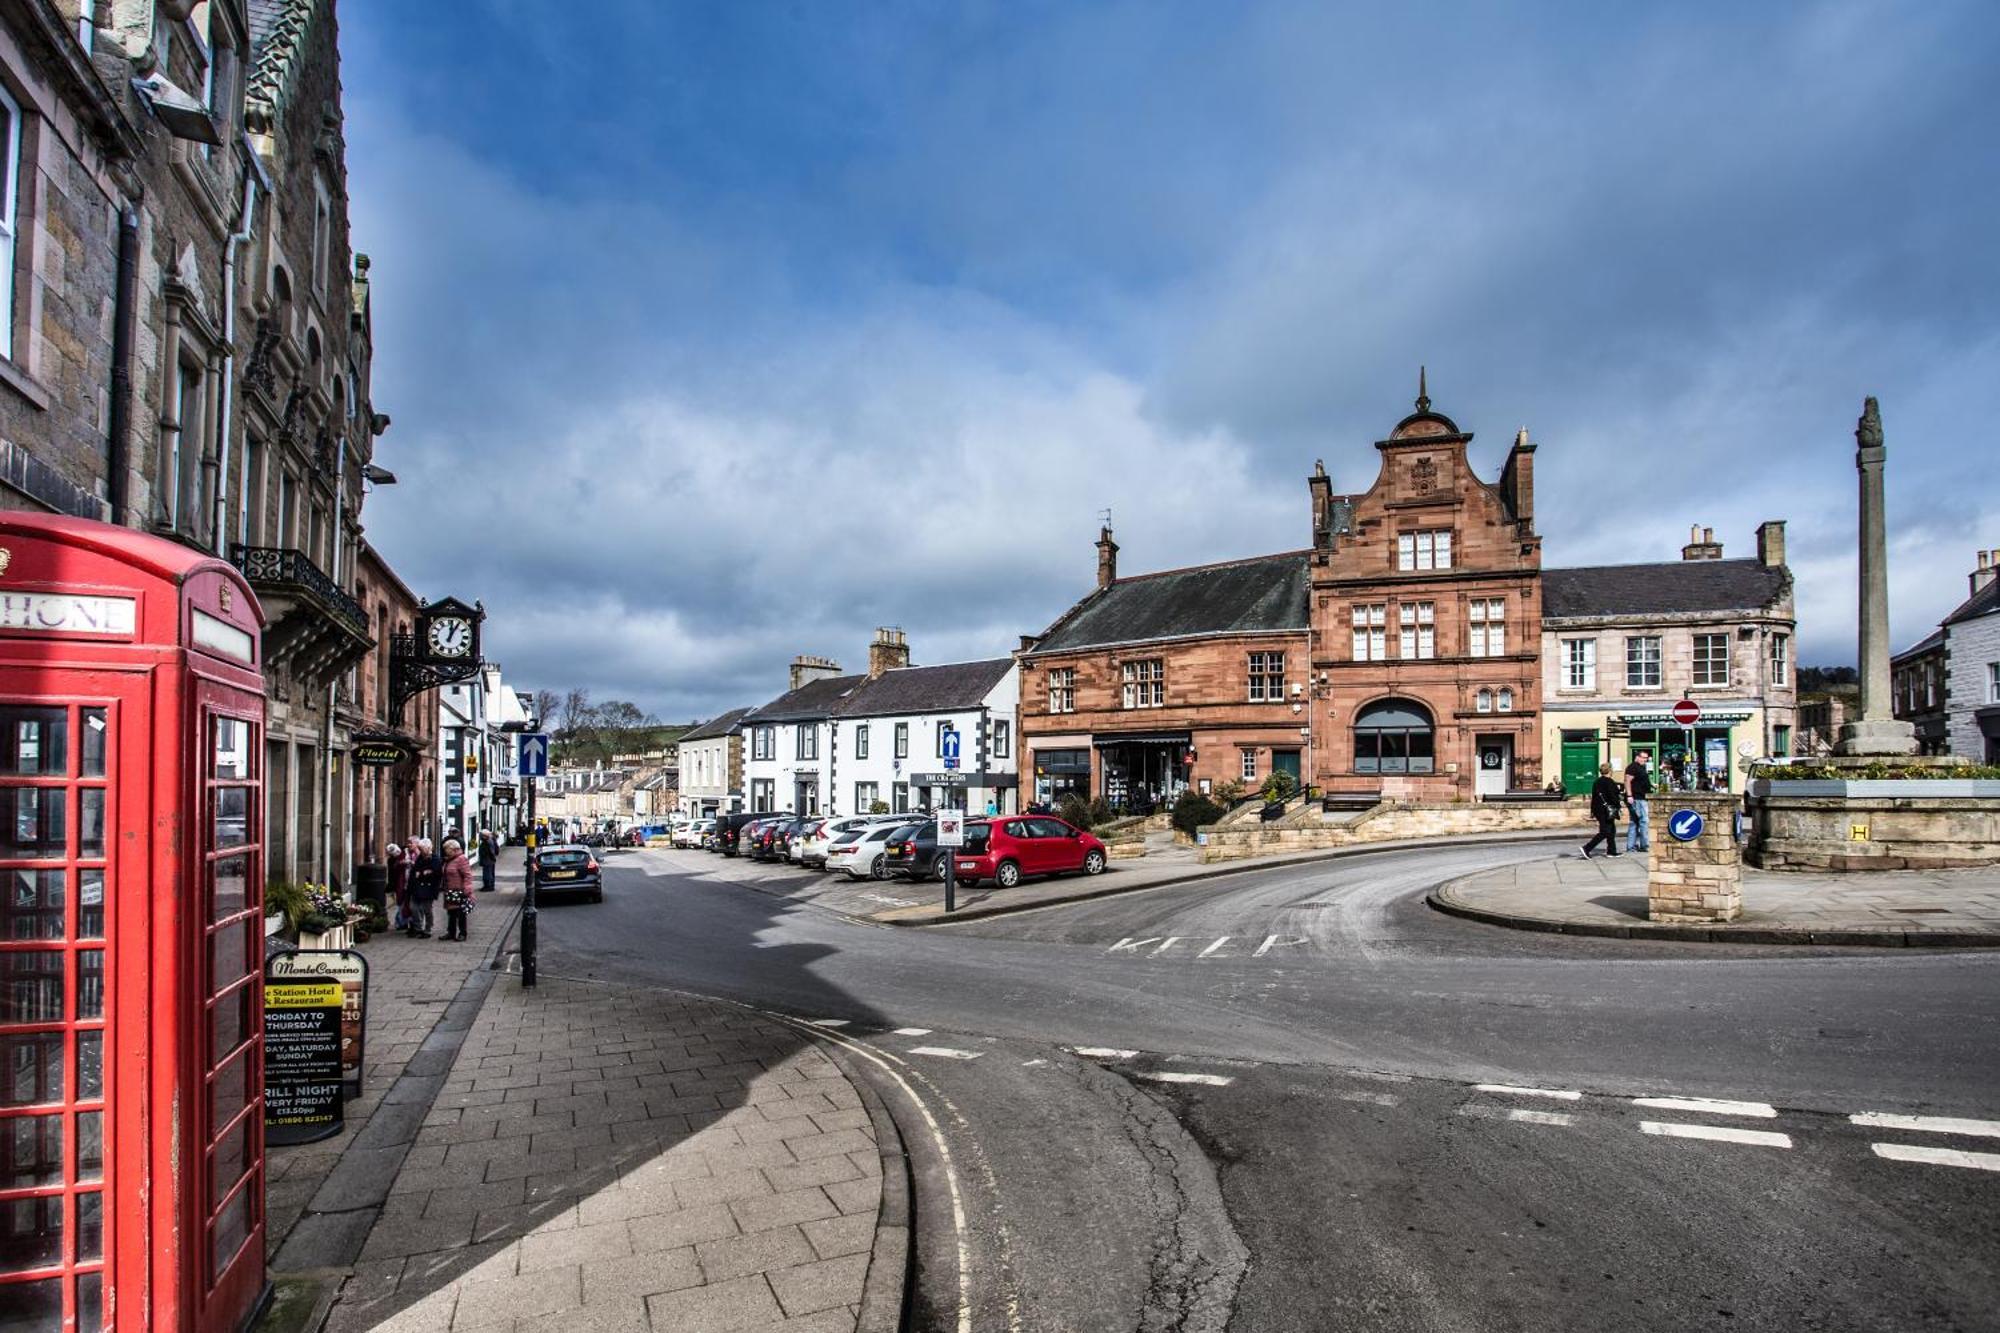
<point x="1608" y="797"/>
<point x="420" y="876"/>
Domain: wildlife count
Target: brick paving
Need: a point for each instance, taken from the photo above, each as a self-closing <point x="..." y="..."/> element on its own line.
<point x="1606" y="895"/>
<point x="604" y="1158"/>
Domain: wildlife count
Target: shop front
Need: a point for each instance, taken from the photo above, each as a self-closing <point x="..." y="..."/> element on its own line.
<point x="1060" y="769"/>
<point x="1704" y="757"/>
<point x="1144" y="770"/>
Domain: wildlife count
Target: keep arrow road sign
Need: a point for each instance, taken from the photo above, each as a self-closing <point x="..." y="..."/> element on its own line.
<point x="534" y="754"/>
<point x="1685" y="825"/>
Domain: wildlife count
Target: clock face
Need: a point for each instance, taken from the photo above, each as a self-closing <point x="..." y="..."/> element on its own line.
<point x="451" y="636"/>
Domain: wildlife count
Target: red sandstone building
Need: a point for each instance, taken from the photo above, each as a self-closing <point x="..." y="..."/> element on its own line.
<point x="1398" y="656"/>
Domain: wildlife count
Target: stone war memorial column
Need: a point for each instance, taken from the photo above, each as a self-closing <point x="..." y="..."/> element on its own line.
<point x="1695" y="869"/>
<point x="1878" y="731"/>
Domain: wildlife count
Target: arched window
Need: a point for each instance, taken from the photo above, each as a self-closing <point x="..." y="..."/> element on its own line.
<point x="1506" y="701"/>
<point x="1483" y="701"/>
<point x="1394" y="736"/>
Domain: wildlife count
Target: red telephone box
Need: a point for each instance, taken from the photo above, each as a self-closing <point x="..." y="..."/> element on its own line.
<point x="131" y="932"/>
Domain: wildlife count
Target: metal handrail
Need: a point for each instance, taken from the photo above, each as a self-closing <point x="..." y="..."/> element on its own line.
<point x="289" y="565"/>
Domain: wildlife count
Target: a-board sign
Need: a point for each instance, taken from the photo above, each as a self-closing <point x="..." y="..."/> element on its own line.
<point x="302" y="1088"/>
<point x="350" y="969"/>
<point x="951" y="828"/>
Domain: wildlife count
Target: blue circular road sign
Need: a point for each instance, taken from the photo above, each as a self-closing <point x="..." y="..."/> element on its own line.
<point x="1685" y="825"/>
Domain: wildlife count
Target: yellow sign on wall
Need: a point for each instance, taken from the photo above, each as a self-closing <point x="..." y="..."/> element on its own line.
<point x="1857" y="833"/>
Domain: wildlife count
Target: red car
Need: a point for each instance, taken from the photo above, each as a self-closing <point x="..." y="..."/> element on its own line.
<point x="1009" y="849"/>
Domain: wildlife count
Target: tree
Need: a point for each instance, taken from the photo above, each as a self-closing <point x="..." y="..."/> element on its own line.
<point x="545" y="704"/>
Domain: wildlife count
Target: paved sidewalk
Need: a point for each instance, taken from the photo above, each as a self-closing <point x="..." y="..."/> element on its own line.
<point x="609" y="1158"/>
<point x="1607" y="896"/>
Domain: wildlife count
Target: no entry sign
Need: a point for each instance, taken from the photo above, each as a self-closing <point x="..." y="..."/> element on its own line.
<point x="1687" y="712"/>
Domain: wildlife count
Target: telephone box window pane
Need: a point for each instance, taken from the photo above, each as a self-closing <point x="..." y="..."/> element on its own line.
<point x="30" y="1151"/>
<point x="229" y="954"/>
<point x="230" y="1094"/>
<point x="95" y="732"/>
<point x="89" y="1227"/>
<point x="34" y="1069"/>
<point x="232" y="1228"/>
<point x="31" y="1237"/>
<point x="232" y="749"/>
<point x="232" y="817"/>
<point x="34" y="742"/>
<point x="31" y="987"/>
<point x="90" y="1145"/>
<point x="90" y="822"/>
<point x="229" y="1022"/>
<point x="90" y="905"/>
<point x="231" y="891"/>
<point x="90" y="983"/>
<point x="89" y="1066"/>
<point x="32" y="823"/>
<point x="90" y="1303"/>
<point x="33" y="907"/>
<point x="232" y="1159"/>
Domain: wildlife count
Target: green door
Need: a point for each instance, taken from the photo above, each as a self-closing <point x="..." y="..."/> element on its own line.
<point x="1287" y="761"/>
<point x="1580" y="751"/>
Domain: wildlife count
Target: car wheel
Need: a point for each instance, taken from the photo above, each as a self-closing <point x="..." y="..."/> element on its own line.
<point x="939" y="868"/>
<point x="878" y="870"/>
<point x="1007" y="875"/>
<point x="1093" y="863"/>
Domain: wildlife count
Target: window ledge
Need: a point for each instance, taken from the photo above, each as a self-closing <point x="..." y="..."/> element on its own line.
<point x="21" y="382"/>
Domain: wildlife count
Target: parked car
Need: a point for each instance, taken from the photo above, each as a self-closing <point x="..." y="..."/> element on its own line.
<point x="568" y="868"/>
<point x="792" y="835"/>
<point x="867" y="857"/>
<point x="812" y="850"/>
<point x="761" y="838"/>
<point x="694" y="834"/>
<point x="1007" y="851"/>
<point x="727" y="835"/>
<point x="913" y="852"/>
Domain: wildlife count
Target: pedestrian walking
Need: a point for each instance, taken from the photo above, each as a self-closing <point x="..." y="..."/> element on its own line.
<point x="1638" y="790"/>
<point x="455" y="876"/>
<point x="399" y="887"/>
<point x="489" y="859"/>
<point x="1604" y="799"/>
<point x="425" y="874"/>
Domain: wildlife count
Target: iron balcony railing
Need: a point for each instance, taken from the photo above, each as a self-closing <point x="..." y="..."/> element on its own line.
<point x="287" y="569"/>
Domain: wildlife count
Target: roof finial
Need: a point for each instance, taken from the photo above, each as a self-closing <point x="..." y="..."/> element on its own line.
<point x="1423" y="392"/>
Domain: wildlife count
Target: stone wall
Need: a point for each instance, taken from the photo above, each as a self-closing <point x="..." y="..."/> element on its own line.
<point x="1388" y="822"/>
<point x="1970" y="645"/>
<point x="1909" y="824"/>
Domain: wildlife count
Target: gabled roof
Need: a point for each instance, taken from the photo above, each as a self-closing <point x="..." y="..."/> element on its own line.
<point x="1260" y="595"/>
<point x="1675" y="587"/>
<point x="926" y="689"/>
<point x="718" y="726"/>
<point x="1929" y="643"/>
<point x="813" y="701"/>
<point x="1984" y="602"/>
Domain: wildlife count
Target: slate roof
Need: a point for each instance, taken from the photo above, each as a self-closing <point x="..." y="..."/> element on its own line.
<point x="1266" y="593"/>
<point x="926" y="689"/>
<point x="1935" y="639"/>
<point x="811" y="702"/>
<point x="277" y="38"/>
<point x="716" y="726"/>
<point x="1983" y="602"/>
<point x="1674" y="587"/>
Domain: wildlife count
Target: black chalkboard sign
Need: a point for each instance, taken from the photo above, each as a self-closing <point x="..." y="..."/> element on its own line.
<point x="302" y="1084"/>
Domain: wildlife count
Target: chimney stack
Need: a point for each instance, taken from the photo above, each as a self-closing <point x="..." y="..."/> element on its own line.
<point x="1771" y="543"/>
<point x="1702" y="544"/>
<point x="1517" y="480"/>
<point x="807" y="669"/>
<point x="1989" y="568"/>
<point x="889" y="651"/>
<point x="1107" y="559"/>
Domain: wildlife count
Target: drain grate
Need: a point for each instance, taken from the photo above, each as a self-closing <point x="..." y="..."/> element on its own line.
<point x="1921" y="911"/>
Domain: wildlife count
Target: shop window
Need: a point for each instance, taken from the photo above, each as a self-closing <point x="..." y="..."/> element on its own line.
<point x="1145" y="683"/>
<point x="1394" y="736"/>
<point x="1711" y="659"/>
<point x="1371" y="635"/>
<point x="1419" y="631"/>
<point x="1267" y="677"/>
<point x="1424" y="550"/>
<point x="861" y="741"/>
<point x="1579" y="664"/>
<point x="1642" y="662"/>
<point x="1488" y="632"/>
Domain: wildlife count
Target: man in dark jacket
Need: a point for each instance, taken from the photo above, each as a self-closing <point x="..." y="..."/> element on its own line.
<point x="489" y="858"/>
<point x="1604" y="801"/>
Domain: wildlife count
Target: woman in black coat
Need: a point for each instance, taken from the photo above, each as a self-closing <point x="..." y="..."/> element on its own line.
<point x="1605" y="798"/>
<point x="426" y="879"/>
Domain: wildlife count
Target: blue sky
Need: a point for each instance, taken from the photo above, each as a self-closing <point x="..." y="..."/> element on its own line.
<point x="715" y="334"/>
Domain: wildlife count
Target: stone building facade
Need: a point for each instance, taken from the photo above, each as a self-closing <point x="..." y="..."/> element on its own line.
<point x="1620" y="644"/>
<point x="1917" y="693"/>
<point x="1426" y="602"/>
<point x="1948" y="685"/>
<point x="711" y="766"/>
<point x="392" y="802"/>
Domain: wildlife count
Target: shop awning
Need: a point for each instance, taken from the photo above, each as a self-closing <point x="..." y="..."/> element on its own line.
<point x="1667" y="720"/>
<point x="1143" y="738"/>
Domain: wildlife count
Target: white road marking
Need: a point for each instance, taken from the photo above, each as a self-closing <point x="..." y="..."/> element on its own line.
<point x="1928" y="1124"/>
<point x="829" y="1022"/>
<point x="1132" y="944"/>
<point x="913" y="1032"/>
<point x="885" y="898"/>
<point x="1370" y="1098"/>
<point x="1720" y="1133"/>
<point x="1102" y="1052"/>
<point x="947" y="1052"/>
<point x="1507" y="1090"/>
<point x="1708" y="1106"/>
<point x="1213" y="947"/>
<point x="1030" y="1064"/>
<point x="1272" y="941"/>
<point x="1904" y="1152"/>
<point x="1169" y="943"/>
<point x="1517" y="1114"/>
<point x="1208" y="1080"/>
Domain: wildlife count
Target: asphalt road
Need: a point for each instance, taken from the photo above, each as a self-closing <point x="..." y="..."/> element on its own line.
<point x="1256" y="1103"/>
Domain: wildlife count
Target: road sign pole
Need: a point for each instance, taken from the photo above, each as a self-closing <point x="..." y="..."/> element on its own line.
<point x="528" y="912"/>
<point x="951" y="879"/>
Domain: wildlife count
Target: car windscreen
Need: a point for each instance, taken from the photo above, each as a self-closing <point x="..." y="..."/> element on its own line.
<point x="564" y="859"/>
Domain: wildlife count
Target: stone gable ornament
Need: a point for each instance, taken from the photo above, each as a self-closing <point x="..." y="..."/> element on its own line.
<point x="1425" y="474"/>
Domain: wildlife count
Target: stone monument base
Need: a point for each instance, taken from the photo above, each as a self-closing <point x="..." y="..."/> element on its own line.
<point x="1888" y="737"/>
<point x="1860" y="823"/>
<point x="1698" y="879"/>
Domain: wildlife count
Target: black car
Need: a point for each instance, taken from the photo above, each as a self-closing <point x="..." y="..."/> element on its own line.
<point x="913" y="852"/>
<point x="792" y="835"/>
<point x="761" y="838"/>
<point x="727" y="836"/>
<point x="568" y="868"/>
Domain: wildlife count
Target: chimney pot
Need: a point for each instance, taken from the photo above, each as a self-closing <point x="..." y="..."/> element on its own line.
<point x="1107" y="559"/>
<point x="1989" y="569"/>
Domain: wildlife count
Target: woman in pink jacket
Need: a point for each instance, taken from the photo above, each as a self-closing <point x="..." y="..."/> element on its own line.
<point x="457" y="889"/>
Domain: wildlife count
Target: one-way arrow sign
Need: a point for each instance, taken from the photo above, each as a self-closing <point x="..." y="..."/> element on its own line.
<point x="534" y="754"/>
